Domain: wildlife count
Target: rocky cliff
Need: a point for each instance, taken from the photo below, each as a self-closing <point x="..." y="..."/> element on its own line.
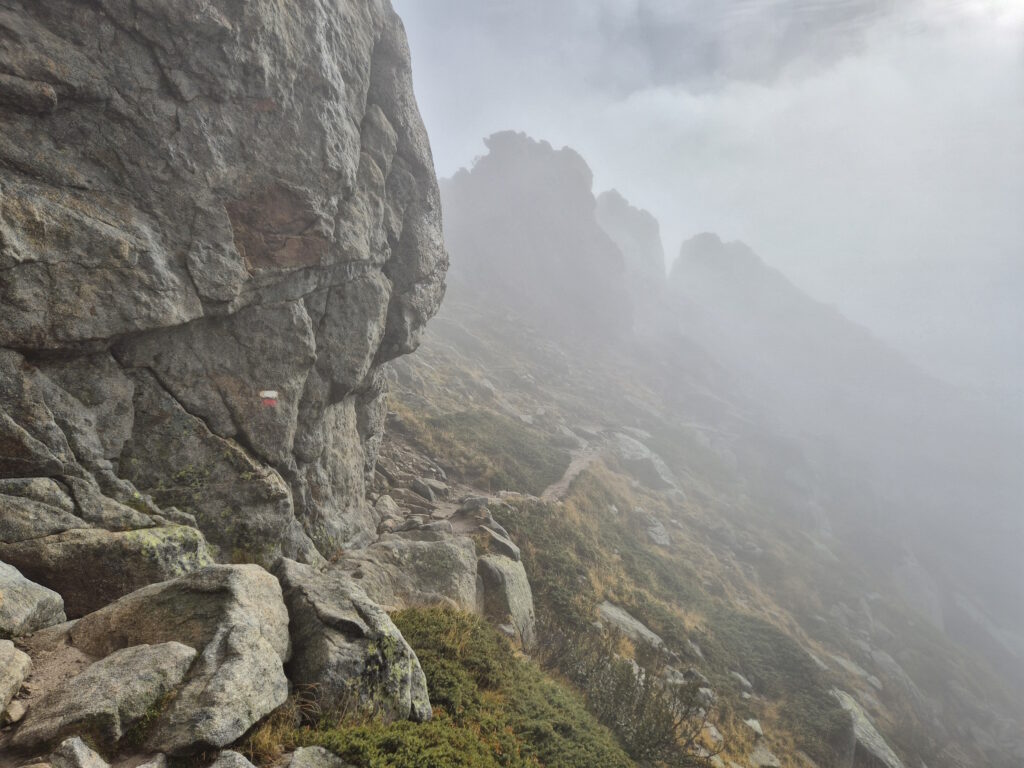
<point x="199" y="203"/>
<point x="218" y="221"/>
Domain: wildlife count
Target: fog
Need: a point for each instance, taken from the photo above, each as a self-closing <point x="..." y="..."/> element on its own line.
<point x="859" y="169"/>
<point x="871" y="151"/>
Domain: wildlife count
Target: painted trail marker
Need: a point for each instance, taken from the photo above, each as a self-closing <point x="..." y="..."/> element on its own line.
<point x="269" y="398"/>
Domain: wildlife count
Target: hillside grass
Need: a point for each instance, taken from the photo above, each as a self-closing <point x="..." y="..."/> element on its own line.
<point x="594" y="547"/>
<point x="492" y="709"/>
<point x="486" y="450"/>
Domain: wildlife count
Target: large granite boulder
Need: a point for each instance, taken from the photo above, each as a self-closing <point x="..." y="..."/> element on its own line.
<point x="346" y="650"/>
<point x="417" y="568"/>
<point x="217" y="221"/>
<point x="507" y="597"/>
<point x="26" y="606"/>
<point x="231" y="619"/>
<point x="92" y="567"/>
<point x="108" y="697"/>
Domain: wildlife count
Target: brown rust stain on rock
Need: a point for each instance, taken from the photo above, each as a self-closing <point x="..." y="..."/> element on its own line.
<point x="276" y="227"/>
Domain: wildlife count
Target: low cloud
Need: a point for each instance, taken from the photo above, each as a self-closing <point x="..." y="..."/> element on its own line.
<point x="871" y="150"/>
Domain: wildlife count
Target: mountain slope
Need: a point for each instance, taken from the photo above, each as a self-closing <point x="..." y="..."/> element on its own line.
<point x="726" y="512"/>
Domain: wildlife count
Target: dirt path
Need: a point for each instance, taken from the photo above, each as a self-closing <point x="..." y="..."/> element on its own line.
<point x="581" y="459"/>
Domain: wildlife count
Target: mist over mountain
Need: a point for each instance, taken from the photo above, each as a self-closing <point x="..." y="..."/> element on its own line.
<point x="870" y="150"/>
<point x="928" y="450"/>
<point x="309" y="459"/>
<point x="897" y="457"/>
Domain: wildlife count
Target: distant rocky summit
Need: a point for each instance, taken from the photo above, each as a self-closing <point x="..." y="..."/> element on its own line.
<point x="522" y="230"/>
<point x="218" y="220"/>
<point x="638" y="236"/>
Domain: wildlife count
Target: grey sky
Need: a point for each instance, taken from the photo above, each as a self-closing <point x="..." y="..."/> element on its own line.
<point x="873" y="150"/>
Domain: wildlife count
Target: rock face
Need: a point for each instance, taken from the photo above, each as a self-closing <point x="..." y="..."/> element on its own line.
<point x="346" y="649"/>
<point x="204" y="267"/>
<point x="218" y="222"/>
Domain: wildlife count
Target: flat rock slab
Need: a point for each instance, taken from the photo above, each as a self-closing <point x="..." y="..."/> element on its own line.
<point x="870" y="743"/>
<point x="419" y="567"/>
<point x="92" y="567"/>
<point x="628" y="625"/>
<point x="25" y="606"/>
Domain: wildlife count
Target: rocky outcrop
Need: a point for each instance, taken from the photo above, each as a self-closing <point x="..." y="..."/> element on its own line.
<point x="347" y="651"/>
<point x="204" y="267"/>
<point x="522" y="229"/>
<point x="871" y="748"/>
<point x="638" y="236"/>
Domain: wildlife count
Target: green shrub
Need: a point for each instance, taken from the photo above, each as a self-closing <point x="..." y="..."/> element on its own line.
<point x="491" y="709"/>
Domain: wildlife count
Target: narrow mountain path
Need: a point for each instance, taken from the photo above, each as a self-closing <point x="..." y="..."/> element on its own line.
<point x="582" y="458"/>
